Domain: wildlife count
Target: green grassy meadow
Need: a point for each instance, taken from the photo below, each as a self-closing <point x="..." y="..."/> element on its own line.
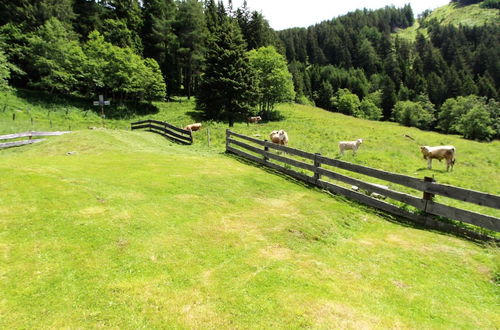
<point x="133" y="231"/>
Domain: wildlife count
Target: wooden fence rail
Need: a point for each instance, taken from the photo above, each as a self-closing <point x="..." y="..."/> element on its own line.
<point x="425" y="203"/>
<point x="167" y="130"/>
<point x="29" y="135"/>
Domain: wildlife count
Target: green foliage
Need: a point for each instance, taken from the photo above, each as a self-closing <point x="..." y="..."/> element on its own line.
<point x="192" y="32"/>
<point x="369" y="110"/>
<point x="494" y="4"/>
<point x="472" y="116"/>
<point x="414" y="114"/>
<point x="255" y="28"/>
<point x="119" y="71"/>
<point x="347" y="103"/>
<point x="32" y="14"/>
<point x="476" y="124"/>
<point x="117" y="33"/>
<point x="228" y="87"/>
<point x="274" y="81"/>
<point x="323" y="98"/>
<point x="4" y="71"/>
<point x="160" y="42"/>
<point x="61" y="65"/>
<point x="57" y="58"/>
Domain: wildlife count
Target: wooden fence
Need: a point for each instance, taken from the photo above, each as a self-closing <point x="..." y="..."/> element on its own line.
<point x="29" y="135"/>
<point x="425" y="203"/>
<point x="167" y="130"/>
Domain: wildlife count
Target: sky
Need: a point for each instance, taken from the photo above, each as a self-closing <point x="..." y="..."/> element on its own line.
<point x="283" y="14"/>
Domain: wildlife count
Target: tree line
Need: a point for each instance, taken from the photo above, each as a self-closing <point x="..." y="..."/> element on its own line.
<point x="237" y="65"/>
<point x="356" y="64"/>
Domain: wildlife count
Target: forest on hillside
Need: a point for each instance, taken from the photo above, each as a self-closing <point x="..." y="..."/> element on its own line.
<point x="133" y="51"/>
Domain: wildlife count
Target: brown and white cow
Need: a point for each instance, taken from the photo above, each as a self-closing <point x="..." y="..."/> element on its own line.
<point x="439" y="153"/>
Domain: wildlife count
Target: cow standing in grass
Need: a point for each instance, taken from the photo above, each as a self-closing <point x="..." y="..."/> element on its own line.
<point x="193" y="127"/>
<point x="279" y="137"/>
<point x="439" y="152"/>
<point x="350" y="145"/>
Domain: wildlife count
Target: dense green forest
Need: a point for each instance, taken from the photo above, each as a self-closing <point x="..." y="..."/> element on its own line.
<point x="137" y="51"/>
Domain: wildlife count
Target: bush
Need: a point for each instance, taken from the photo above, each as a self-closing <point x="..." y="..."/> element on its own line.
<point x="476" y="124"/>
<point x="346" y="102"/>
<point x="472" y="116"/>
<point x="368" y="110"/>
<point x="414" y="114"/>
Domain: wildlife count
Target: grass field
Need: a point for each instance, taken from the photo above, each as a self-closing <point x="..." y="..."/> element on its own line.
<point x="132" y="231"/>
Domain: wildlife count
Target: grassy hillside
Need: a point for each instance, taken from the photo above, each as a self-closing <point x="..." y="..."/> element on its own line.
<point x="132" y="231"/>
<point x="454" y="14"/>
<point x="470" y="15"/>
<point x="310" y="129"/>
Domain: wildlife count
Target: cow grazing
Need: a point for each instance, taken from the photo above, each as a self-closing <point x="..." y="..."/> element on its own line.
<point x="193" y="127"/>
<point x="254" y="120"/>
<point x="279" y="137"/>
<point x="439" y="152"/>
<point x="350" y="145"/>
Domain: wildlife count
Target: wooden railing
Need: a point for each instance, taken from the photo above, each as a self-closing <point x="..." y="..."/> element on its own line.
<point x="29" y="135"/>
<point x="425" y="203"/>
<point x="167" y="130"/>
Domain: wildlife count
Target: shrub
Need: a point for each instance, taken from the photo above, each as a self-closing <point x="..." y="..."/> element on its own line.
<point x="472" y="116"/>
<point x="369" y="110"/>
<point x="414" y="114"/>
<point x="346" y="102"/>
<point x="476" y="124"/>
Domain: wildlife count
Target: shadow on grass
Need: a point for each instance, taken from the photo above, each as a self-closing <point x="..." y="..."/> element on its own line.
<point x="432" y="170"/>
<point x="54" y="102"/>
<point x="267" y="117"/>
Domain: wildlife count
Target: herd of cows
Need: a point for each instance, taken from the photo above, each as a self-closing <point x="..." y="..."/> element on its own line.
<point x="281" y="137"/>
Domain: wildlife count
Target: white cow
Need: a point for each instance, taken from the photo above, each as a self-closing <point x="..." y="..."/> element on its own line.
<point x="350" y="145"/>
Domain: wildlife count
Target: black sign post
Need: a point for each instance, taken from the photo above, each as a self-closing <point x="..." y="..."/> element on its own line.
<point x="102" y="103"/>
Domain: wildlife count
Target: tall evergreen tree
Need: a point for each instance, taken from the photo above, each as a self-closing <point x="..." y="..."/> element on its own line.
<point x="160" y="41"/>
<point x="88" y="15"/>
<point x="227" y="90"/>
<point x="192" y="33"/>
<point x="32" y="14"/>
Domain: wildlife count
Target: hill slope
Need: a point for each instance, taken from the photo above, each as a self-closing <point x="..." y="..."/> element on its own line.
<point x="132" y="231"/>
<point x="453" y="14"/>
<point x="309" y="128"/>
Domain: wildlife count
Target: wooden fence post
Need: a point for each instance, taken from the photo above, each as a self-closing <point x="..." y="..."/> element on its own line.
<point x="427" y="196"/>
<point x="317" y="176"/>
<point x="266" y="149"/>
<point x="228" y="134"/>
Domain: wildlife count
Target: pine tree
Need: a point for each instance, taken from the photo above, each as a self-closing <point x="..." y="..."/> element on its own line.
<point x="160" y="42"/>
<point x="192" y="32"/>
<point x="88" y="15"/>
<point x="227" y="90"/>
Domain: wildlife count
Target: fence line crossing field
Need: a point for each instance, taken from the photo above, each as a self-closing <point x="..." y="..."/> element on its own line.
<point x="127" y="229"/>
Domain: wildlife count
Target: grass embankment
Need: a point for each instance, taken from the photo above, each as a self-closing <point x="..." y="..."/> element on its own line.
<point x="454" y="14"/>
<point x="132" y="231"/>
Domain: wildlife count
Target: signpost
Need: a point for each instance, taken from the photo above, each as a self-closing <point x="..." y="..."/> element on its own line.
<point x="102" y="103"/>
